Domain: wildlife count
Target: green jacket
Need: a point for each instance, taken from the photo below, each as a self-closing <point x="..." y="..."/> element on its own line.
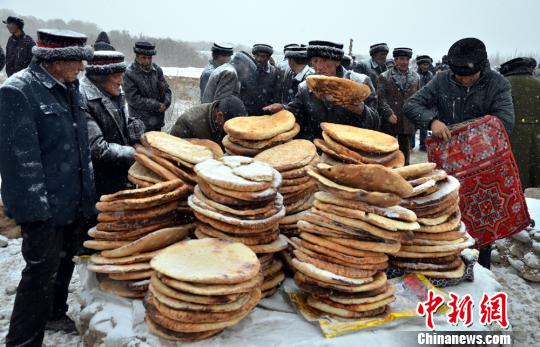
<point x="524" y="138"/>
<point x="198" y="122"/>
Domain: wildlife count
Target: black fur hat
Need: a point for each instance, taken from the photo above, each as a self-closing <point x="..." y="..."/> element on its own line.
<point x="467" y="56"/>
<point x="325" y="49"/>
<point x="106" y="63"/>
<point x="56" y="44"/>
<point x="144" y="48"/>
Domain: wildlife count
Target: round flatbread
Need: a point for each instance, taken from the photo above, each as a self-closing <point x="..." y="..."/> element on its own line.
<point x="177" y="147"/>
<point x="362" y="139"/>
<point x="210" y="261"/>
<point x="415" y="170"/>
<point x="264" y="144"/>
<point x="260" y="127"/>
<point x="212" y="289"/>
<point x="288" y="156"/>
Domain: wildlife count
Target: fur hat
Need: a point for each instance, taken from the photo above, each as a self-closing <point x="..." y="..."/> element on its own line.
<point x="518" y="66"/>
<point x="103" y="43"/>
<point x="290" y="45"/>
<point x="467" y="56"/>
<point x="15" y="20"/>
<point x="378" y="47"/>
<point x="106" y="63"/>
<point x="144" y="48"/>
<point x="56" y="44"/>
<point x="296" y="52"/>
<point x="222" y="49"/>
<point x="262" y="48"/>
<point x="421" y="59"/>
<point x="325" y="49"/>
<point x="402" y="52"/>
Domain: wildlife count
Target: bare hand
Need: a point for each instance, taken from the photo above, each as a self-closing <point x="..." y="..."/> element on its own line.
<point x="273" y="108"/>
<point x="393" y="119"/>
<point x="358" y="108"/>
<point x="440" y="130"/>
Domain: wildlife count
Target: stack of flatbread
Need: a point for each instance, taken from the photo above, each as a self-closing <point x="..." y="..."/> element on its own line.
<point x="341" y="254"/>
<point x="337" y="90"/>
<point x="132" y="226"/>
<point x="200" y="287"/>
<point x="437" y="244"/>
<point x="291" y="160"/>
<point x="344" y="144"/>
<point x="237" y="199"/>
<point x="248" y="136"/>
<point x="163" y="157"/>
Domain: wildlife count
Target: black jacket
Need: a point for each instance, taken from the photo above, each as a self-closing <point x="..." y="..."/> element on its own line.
<point x="145" y="91"/>
<point x="44" y="154"/>
<point x="290" y="82"/>
<point x="310" y="111"/>
<point x="18" y="53"/>
<point x="2" y="59"/>
<point x="454" y="103"/>
<point x="110" y="143"/>
<point x="366" y="67"/>
<point x="261" y="90"/>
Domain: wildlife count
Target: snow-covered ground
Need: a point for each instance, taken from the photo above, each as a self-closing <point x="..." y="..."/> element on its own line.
<point x="192" y="72"/>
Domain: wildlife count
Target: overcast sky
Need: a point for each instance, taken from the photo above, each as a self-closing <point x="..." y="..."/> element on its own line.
<point x="429" y="27"/>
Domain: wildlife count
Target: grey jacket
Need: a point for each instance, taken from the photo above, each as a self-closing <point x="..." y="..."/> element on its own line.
<point x="367" y="67"/>
<point x="453" y="103"/>
<point x="290" y="82"/>
<point x="145" y="91"/>
<point x="205" y="75"/>
<point x="310" y="111"/>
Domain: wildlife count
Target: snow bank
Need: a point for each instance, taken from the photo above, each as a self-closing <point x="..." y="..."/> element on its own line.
<point x="191" y="72"/>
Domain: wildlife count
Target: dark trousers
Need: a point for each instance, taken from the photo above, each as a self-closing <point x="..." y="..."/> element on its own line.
<point x="484" y="258"/>
<point x="43" y="290"/>
<point x="405" y="146"/>
<point x="423" y="136"/>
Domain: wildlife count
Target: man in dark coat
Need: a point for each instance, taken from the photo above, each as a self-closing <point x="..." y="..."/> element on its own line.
<point x="310" y="111"/>
<point x="424" y="63"/>
<point x="524" y="137"/>
<point x="103" y="43"/>
<point x="296" y="74"/>
<point x="376" y="65"/>
<point x="2" y="59"/>
<point x="394" y="87"/>
<point x="19" y="46"/>
<point x="206" y="121"/>
<point x="234" y="78"/>
<point x="264" y="84"/>
<point x="111" y="132"/>
<point x="47" y="179"/>
<point x="221" y="54"/>
<point x="147" y="92"/>
<point x="469" y="90"/>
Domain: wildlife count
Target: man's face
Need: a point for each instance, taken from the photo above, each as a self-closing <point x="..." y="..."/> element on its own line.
<point x="222" y="59"/>
<point x="380" y="57"/>
<point x="113" y="84"/>
<point x="69" y="70"/>
<point x="262" y="58"/>
<point x="424" y="66"/>
<point x="144" y="60"/>
<point x="12" y="28"/>
<point x="468" y="81"/>
<point x="402" y="63"/>
<point x="324" y="66"/>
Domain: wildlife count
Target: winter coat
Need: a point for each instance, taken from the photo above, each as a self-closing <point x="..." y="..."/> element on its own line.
<point x="290" y="82"/>
<point x="425" y="77"/>
<point x="198" y="122"/>
<point x="524" y="138"/>
<point x="145" y="91"/>
<point x="18" y="53"/>
<point x="232" y="78"/>
<point x="454" y="103"/>
<point x="45" y="161"/>
<point x="310" y="111"/>
<point x="103" y="43"/>
<point x="205" y="75"/>
<point x="2" y="59"/>
<point x="261" y="89"/>
<point x="110" y="143"/>
<point x="367" y="67"/>
<point x="392" y="97"/>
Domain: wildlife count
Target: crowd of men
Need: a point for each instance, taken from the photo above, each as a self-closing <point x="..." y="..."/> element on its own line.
<point x="63" y="142"/>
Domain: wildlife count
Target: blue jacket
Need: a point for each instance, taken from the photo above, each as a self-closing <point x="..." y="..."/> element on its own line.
<point x="45" y="160"/>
